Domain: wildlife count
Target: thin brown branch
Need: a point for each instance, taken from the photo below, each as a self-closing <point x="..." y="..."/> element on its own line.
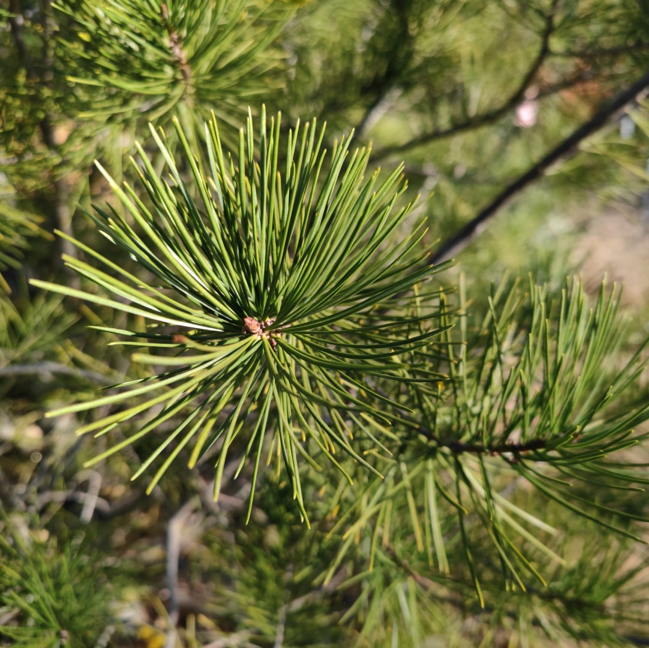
<point x="457" y="447"/>
<point x="490" y="116"/>
<point x="568" y="146"/>
<point x="176" y="46"/>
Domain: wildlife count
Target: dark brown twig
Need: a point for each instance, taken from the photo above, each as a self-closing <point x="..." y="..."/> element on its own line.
<point x="465" y="234"/>
<point x="457" y="447"/>
<point x="490" y="116"/>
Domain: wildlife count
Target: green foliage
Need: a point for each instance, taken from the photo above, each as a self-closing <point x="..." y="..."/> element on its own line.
<point x="472" y="458"/>
<point x="278" y="597"/>
<point x="54" y="593"/>
<point x="82" y="75"/>
<point x="30" y="328"/>
<point x="534" y="394"/>
<point x="585" y="604"/>
<point x="151" y="60"/>
<point x="272" y="279"/>
<point x="16" y="228"/>
<point x="34" y="99"/>
<point x="581" y="605"/>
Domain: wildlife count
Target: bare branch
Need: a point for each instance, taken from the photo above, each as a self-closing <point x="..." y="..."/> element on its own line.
<point x="492" y="115"/>
<point x="465" y="234"/>
<point x="457" y="447"/>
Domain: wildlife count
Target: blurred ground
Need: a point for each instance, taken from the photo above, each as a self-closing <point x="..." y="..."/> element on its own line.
<point x="615" y="243"/>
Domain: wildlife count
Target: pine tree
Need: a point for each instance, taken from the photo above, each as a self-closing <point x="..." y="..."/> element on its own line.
<point x="350" y="438"/>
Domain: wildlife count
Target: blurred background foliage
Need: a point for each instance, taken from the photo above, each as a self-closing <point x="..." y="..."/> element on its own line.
<point x="470" y="95"/>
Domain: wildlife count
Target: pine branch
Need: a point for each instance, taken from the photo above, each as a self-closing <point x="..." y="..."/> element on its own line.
<point x="566" y="602"/>
<point x="176" y="43"/>
<point x="272" y="276"/>
<point x="532" y="392"/>
<point x="457" y="447"/>
<point x="458" y="241"/>
<point x="490" y="116"/>
<point x="151" y="61"/>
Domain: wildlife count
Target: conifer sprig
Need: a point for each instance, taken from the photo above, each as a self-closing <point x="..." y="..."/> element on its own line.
<point x="52" y="593"/>
<point x="536" y="392"/>
<point x="157" y="59"/>
<point x="260" y="299"/>
<point x="17" y="227"/>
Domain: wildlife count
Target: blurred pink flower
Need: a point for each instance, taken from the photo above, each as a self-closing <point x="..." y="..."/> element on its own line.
<point x="527" y="113"/>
